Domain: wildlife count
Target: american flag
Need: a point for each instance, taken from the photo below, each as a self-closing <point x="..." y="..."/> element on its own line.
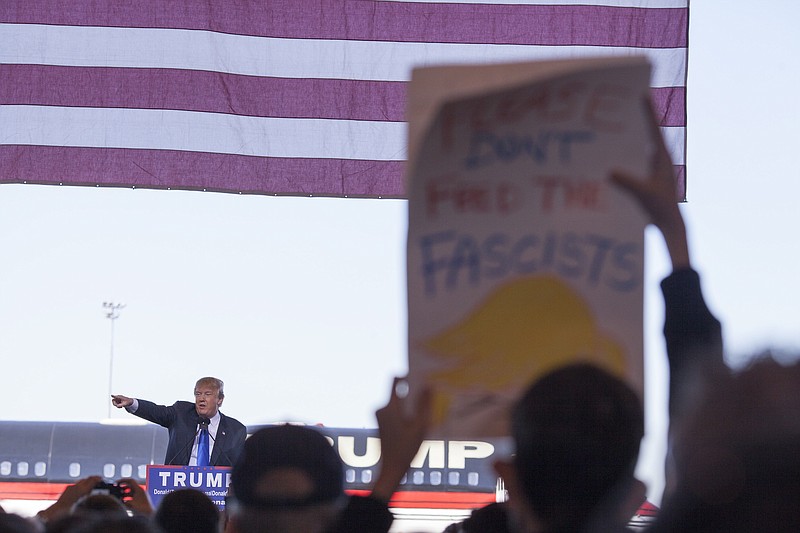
<point x="287" y="97"/>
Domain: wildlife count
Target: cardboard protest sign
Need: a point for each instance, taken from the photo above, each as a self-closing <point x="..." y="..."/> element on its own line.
<point x="522" y="256"/>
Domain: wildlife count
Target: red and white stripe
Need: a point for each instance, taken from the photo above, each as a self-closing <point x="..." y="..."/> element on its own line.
<point x="283" y="97"/>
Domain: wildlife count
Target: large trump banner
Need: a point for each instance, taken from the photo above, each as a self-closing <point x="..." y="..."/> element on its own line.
<point x="522" y="256"/>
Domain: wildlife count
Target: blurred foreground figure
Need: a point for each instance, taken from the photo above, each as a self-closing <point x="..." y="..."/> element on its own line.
<point x="89" y="497"/>
<point x="577" y="432"/>
<point x="736" y="457"/>
<point x="187" y="511"/>
<point x="13" y="523"/>
<point x="574" y="466"/>
<point x="290" y="479"/>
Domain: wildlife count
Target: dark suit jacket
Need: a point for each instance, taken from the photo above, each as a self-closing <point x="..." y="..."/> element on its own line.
<point x="181" y="420"/>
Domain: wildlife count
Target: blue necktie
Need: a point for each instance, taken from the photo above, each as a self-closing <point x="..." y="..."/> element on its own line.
<point x="202" y="448"/>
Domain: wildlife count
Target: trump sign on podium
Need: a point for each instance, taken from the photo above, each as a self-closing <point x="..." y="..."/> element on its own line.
<point x="522" y="256"/>
<point x="213" y="481"/>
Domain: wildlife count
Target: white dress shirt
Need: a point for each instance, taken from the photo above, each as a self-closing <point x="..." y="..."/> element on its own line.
<point x="212" y="431"/>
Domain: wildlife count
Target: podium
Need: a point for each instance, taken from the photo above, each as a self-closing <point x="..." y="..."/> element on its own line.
<point x="213" y="481"/>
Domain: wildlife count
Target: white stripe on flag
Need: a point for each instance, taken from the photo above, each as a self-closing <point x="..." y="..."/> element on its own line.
<point x="286" y="58"/>
<point x="221" y="133"/>
<point x="203" y="132"/>
<point x="675" y="139"/>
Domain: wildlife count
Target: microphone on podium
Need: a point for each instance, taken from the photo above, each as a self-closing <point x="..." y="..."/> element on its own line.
<point x="202" y="423"/>
<point x="203" y="449"/>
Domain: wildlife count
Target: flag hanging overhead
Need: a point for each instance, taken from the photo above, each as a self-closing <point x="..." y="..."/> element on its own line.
<point x="292" y="97"/>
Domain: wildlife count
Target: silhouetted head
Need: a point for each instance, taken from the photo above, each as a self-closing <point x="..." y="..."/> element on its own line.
<point x="187" y="511"/>
<point x="736" y="455"/>
<point x="289" y="478"/>
<point x="577" y="432"/>
<point x="129" y="524"/>
<point x="12" y="523"/>
<point x="100" y="503"/>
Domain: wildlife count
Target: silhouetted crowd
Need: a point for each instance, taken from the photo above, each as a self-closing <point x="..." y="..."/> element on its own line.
<point x="732" y="462"/>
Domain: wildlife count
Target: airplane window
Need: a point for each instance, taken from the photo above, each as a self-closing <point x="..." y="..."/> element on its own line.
<point x="126" y="470"/>
<point x="350" y="475"/>
<point x="39" y="469"/>
<point x="452" y="478"/>
<point x="22" y="468"/>
<point x="142" y="471"/>
<point x="5" y="468"/>
<point x="472" y="478"/>
<point x="74" y="470"/>
<point x="436" y="478"/>
<point x="366" y="476"/>
<point x="418" y="477"/>
<point x="404" y="479"/>
<point x="108" y="470"/>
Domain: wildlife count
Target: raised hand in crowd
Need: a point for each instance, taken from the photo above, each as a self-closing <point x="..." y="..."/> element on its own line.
<point x="136" y="498"/>
<point x="657" y="195"/>
<point x="402" y="428"/>
<point x="68" y="498"/>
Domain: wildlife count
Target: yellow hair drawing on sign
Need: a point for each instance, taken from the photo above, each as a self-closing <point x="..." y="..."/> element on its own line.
<point x="522" y="330"/>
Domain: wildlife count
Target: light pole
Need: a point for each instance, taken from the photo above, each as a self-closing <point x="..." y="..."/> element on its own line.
<point x="112" y="313"/>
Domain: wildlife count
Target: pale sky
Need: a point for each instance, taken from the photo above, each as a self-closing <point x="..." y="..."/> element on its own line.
<point x="299" y="303"/>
